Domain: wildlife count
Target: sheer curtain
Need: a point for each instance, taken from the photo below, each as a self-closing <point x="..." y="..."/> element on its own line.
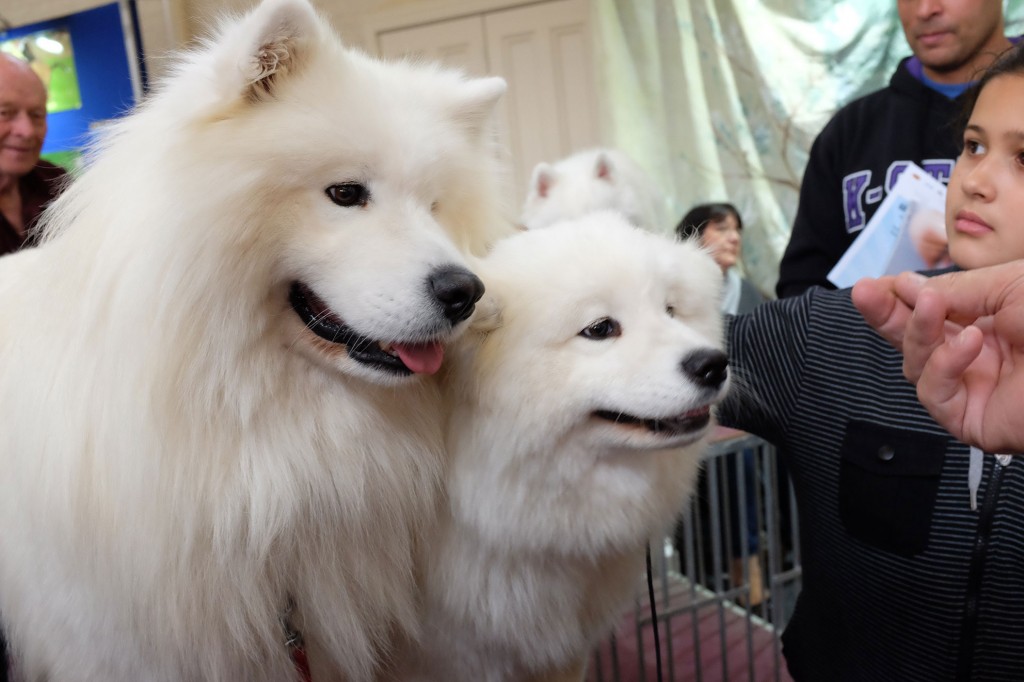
<point x="720" y="99"/>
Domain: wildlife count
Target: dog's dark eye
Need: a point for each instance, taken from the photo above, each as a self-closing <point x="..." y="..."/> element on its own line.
<point x="348" y="194"/>
<point x="671" y="310"/>
<point x="604" y="328"/>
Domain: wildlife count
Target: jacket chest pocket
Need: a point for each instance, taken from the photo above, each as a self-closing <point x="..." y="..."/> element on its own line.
<point x="888" y="482"/>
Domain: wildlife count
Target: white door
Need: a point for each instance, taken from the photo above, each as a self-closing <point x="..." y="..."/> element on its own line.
<point x="457" y="43"/>
<point x="544" y="51"/>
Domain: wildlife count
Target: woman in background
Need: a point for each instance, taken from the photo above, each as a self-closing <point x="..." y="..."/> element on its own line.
<point x="719" y="228"/>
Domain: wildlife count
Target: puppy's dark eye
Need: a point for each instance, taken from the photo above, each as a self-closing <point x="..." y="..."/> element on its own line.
<point x="348" y="194"/>
<point x="671" y="310"/>
<point x="604" y="328"/>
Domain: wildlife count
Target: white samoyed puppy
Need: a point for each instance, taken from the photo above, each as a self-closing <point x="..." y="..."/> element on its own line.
<point x="217" y="429"/>
<point x="581" y="398"/>
<point x="593" y="180"/>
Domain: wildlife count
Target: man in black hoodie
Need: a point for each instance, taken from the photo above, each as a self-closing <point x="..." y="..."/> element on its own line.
<point x="860" y="153"/>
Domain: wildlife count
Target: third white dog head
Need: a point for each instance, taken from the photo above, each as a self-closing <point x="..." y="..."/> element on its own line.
<point x="593" y="180"/>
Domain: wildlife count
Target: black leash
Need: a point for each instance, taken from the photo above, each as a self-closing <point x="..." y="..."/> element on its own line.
<point x="4" y="661"/>
<point x="654" y="613"/>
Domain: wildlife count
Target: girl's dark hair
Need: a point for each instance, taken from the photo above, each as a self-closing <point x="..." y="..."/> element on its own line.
<point x="693" y="223"/>
<point x="1010" y="62"/>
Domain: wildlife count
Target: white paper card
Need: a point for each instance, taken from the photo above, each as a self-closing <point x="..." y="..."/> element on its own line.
<point x="907" y="232"/>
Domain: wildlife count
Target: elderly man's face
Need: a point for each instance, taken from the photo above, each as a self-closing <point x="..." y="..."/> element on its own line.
<point x="22" y="119"/>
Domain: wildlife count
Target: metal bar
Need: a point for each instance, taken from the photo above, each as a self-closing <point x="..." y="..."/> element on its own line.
<point x="714" y="467"/>
<point x="666" y="640"/>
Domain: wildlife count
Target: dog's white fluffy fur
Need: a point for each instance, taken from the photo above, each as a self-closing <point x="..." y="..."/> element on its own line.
<point x="602" y="178"/>
<point x="551" y="500"/>
<point x="182" y="455"/>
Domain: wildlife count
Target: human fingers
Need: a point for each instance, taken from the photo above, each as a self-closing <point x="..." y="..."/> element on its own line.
<point x="877" y="301"/>
<point x="907" y="286"/>
<point x="932" y="248"/>
<point x="970" y="294"/>
<point x="941" y="388"/>
<point x="925" y="331"/>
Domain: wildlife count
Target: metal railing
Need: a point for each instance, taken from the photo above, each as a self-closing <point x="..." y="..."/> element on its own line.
<point x="725" y="581"/>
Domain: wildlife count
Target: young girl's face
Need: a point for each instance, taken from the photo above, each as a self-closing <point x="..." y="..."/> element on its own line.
<point x="985" y="198"/>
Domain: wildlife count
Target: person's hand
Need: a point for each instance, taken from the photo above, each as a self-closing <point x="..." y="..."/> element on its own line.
<point x="933" y="249"/>
<point x="927" y="231"/>
<point x="882" y="308"/>
<point x="963" y="346"/>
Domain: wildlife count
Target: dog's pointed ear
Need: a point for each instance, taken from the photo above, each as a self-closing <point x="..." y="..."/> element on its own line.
<point x="252" y="58"/>
<point x="477" y="100"/>
<point x="603" y="167"/>
<point x="543" y="178"/>
<point x="284" y="30"/>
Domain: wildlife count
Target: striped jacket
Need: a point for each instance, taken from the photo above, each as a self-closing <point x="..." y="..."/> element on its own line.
<point x="902" y="580"/>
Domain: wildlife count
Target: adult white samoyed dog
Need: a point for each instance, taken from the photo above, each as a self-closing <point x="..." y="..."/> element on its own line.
<point x="581" y="395"/>
<point x="213" y="432"/>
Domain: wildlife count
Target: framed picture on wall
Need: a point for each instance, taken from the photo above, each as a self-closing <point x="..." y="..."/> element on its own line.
<point x="51" y="56"/>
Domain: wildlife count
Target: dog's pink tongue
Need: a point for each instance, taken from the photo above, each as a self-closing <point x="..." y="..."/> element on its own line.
<point x="421" y="358"/>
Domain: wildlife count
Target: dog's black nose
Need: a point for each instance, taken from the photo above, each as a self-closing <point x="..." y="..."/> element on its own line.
<point x="708" y="368"/>
<point x="457" y="290"/>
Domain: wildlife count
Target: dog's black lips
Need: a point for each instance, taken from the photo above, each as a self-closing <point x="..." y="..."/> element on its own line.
<point x="320" y="320"/>
<point x="684" y="423"/>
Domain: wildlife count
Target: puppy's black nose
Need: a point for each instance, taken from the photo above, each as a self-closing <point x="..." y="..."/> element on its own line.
<point x="708" y="368"/>
<point x="457" y="290"/>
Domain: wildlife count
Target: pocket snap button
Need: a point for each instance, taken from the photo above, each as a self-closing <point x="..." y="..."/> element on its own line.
<point x="886" y="453"/>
